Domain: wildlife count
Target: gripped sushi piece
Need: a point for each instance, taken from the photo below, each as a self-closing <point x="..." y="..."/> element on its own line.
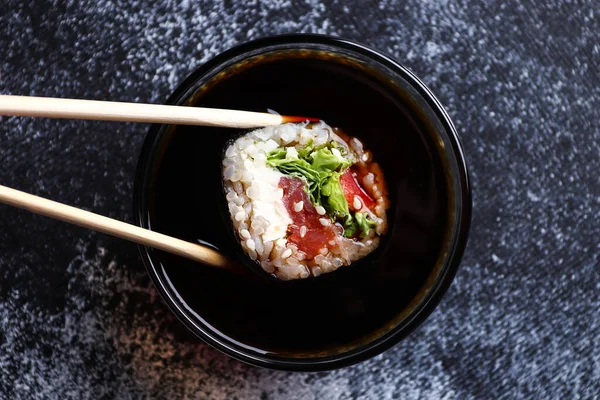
<point x="304" y="199"/>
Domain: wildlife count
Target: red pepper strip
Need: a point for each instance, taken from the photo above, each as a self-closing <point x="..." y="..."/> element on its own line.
<point x="352" y="188"/>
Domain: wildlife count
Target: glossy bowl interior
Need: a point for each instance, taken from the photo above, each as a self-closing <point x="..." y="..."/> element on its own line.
<point x="354" y="313"/>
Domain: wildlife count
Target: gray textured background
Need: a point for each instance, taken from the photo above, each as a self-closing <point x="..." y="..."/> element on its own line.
<point x="79" y="317"/>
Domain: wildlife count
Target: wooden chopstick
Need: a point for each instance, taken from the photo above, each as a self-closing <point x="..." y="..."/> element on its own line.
<point x="86" y="219"/>
<point x="137" y="112"/>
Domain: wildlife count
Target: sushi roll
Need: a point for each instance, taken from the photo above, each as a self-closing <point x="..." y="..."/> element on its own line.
<point x="304" y="199"/>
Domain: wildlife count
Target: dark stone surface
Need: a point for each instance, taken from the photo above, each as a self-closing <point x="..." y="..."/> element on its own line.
<point x="79" y="317"/>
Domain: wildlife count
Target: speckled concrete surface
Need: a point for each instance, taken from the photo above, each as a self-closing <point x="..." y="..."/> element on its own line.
<point x="79" y="317"/>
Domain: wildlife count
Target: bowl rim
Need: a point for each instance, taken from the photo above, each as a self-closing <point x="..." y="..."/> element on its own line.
<point x="438" y="288"/>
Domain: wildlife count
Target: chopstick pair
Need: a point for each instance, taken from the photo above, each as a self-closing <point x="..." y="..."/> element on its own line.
<point x="128" y="112"/>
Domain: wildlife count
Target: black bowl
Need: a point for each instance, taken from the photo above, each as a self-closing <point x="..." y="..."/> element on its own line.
<point x="353" y="313"/>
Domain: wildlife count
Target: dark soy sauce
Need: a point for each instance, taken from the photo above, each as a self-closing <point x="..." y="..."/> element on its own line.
<point x="334" y="312"/>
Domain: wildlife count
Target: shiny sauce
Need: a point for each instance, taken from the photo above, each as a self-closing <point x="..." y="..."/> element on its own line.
<point x="336" y="310"/>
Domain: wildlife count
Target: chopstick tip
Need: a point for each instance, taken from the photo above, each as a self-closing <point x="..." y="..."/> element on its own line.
<point x="289" y="118"/>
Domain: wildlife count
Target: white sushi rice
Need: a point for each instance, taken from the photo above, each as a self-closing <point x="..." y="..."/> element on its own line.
<point x="260" y="216"/>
